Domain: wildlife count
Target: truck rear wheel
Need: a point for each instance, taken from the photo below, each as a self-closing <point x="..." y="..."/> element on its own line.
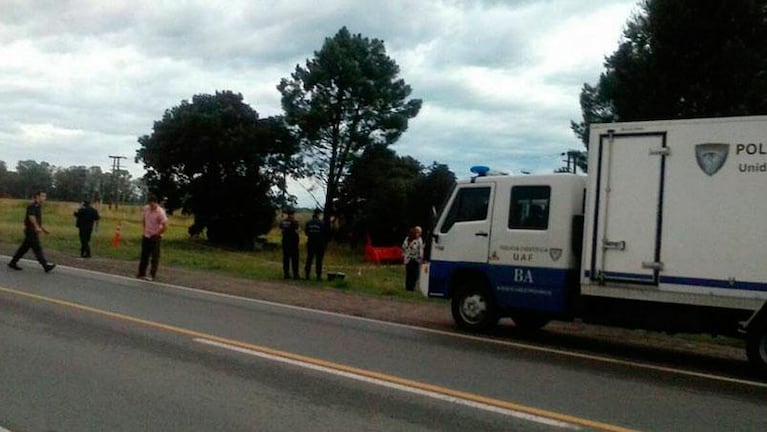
<point x="474" y="309"/>
<point x="756" y="346"/>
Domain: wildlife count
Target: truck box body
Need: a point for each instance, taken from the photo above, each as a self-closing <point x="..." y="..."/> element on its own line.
<point x="677" y="212"/>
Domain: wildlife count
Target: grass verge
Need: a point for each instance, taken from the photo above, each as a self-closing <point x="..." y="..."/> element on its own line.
<point x="181" y="250"/>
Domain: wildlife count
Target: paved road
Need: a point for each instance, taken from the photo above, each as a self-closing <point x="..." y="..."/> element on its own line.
<point x="82" y="351"/>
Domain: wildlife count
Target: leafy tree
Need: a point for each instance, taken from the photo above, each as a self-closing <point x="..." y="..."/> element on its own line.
<point x="386" y="194"/>
<point x="70" y="183"/>
<point x="683" y="58"/>
<point x="32" y="177"/>
<point x="374" y="198"/>
<point x="211" y="158"/>
<point x="431" y="191"/>
<point x="346" y="99"/>
<point x="7" y="180"/>
<point x="116" y="187"/>
<point x="96" y="184"/>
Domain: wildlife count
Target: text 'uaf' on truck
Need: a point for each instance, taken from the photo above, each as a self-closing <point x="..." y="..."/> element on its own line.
<point x="666" y="232"/>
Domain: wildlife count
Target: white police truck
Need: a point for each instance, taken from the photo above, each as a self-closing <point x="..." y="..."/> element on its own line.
<point x="668" y="232"/>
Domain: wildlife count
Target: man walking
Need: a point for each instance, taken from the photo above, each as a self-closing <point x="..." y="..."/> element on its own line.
<point x="154" y="221"/>
<point x="315" y="244"/>
<point x="86" y="216"/>
<point x="33" y="226"/>
<point x="289" y="228"/>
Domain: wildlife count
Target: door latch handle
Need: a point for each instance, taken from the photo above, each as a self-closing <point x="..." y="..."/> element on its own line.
<point x="616" y="245"/>
<point x="653" y="265"/>
<point x="481" y="234"/>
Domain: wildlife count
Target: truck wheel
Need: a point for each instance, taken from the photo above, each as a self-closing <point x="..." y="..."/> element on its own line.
<point x="529" y="321"/>
<point x="756" y="346"/>
<point x="474" y="309"/>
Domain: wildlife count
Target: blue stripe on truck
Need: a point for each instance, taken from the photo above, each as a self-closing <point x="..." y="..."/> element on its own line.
<point x="715" y="283"/>
<point x="514" y="287"/>
<point x="689" y="281"/>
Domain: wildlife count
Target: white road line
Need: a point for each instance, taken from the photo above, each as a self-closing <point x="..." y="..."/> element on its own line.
<point x="446" y="333"/>
<point x="420" y="392"/>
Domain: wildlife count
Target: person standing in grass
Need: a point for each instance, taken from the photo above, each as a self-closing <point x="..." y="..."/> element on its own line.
<point x="289" y="228"/>
<point x="155" y="222"/>
<point x="412" y="249"/>
<point x="315" y="244"/>
<point x="33" y="226"/>
<point x="86" y="217"/>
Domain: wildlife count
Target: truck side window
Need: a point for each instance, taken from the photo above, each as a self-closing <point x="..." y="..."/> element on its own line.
<point x="529" y="207"/>
<point x="470" y="204"/>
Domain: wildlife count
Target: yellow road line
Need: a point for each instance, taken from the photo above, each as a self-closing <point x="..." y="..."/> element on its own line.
<point x="331" y="365"/>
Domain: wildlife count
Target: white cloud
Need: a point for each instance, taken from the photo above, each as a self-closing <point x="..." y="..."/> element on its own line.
<point x="83" y="79"/>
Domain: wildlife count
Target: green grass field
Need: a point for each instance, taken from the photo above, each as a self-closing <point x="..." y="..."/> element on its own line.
<point x="179" y="250"/>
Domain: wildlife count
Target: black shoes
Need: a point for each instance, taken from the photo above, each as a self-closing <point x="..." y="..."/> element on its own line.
<point x="46" y="267"/>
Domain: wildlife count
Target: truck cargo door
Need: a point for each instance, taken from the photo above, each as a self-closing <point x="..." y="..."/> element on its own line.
<point x="630" y="192"/>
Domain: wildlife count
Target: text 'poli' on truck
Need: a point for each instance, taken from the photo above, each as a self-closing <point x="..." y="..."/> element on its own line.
<point x="668" y="231"/>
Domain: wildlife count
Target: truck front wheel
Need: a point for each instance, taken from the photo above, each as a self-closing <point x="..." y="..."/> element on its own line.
<point x="756" y="346"/>
<point x="474" y="309"/>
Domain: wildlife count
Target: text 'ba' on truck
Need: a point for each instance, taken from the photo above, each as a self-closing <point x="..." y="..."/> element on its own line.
<point x="667" y="232"/>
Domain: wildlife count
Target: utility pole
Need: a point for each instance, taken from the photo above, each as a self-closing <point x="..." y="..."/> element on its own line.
<point x="572" y="159"/>
<point x="115" y="171"/>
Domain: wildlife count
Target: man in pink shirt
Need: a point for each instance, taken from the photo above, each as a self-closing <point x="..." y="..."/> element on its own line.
<point x="155" y="222"/>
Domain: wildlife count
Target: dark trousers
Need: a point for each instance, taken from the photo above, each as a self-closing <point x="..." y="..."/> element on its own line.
<point x="150" y="247"/>
<point x="412" y="271"/>
<point x="314" y="252"/>
<point x="85" y="240"/>
<point x="31" y="241"/>
<point x="290" y="259"/>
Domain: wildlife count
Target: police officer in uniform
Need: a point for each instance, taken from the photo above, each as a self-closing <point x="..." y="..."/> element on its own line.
<point x="315" y="245"/>
<point x="289" y="228"/>
<point x="86" y="217"/>
<point x="33" y="226"/>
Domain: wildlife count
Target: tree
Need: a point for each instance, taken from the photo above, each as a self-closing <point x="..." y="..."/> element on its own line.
<point x="7" y="180"/>
<point x="33" y="177"/>
<point x="431" y="191"/>
<point x="385" y="194"/>
<point x="347" y="98"/>
<point x="681" y="59"/>
<point x="211" y="158"/>
<point x="70" y="183"/>
<point x="375" y="196"/>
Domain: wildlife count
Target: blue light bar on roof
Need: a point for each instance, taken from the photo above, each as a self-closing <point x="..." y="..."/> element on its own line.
<point x="480" y="170"/>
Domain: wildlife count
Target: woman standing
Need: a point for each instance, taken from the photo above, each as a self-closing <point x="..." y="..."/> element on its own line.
<point x="412" y="249"/>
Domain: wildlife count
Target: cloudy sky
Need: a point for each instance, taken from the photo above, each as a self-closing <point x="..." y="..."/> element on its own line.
<point x="81" y="80"/>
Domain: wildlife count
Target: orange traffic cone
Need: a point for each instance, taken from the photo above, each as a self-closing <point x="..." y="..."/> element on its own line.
<point x="117" y="238"/>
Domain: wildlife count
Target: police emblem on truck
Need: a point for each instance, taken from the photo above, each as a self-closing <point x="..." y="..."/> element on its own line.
<point x="711" y="156"/>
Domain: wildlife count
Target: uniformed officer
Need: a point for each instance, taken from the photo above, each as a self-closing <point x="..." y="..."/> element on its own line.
<point x="33" y="226"/>
<point x="86" y="217"/>
<point x="315" y="244"/>
<point x="289" y="228"/>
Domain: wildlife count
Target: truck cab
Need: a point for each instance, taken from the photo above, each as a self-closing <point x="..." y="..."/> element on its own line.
<point x="509" y="246"/>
